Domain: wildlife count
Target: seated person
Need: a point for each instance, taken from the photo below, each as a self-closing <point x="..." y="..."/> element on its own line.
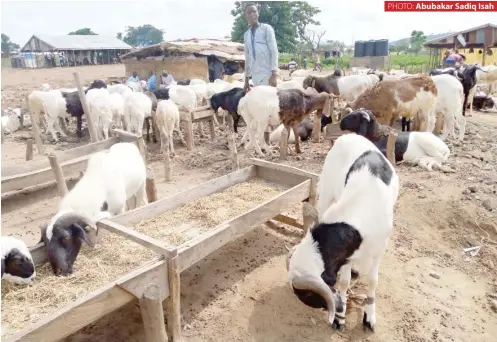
<point x="134" y="77"/>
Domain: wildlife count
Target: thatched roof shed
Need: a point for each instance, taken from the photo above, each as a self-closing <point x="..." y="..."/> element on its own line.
<point x="184" y="58"/>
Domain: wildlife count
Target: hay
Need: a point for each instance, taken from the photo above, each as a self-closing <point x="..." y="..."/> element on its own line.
<point x="112" y="258"/>
<point x="194" y="217"/>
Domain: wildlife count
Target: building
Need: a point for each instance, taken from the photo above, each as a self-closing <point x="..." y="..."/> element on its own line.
<point x="185" y="58"/>
<point x="478" y="44"/>
<point x="43" y="51"/>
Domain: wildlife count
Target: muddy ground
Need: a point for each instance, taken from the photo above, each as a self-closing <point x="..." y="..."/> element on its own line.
<point x="429" y="289"/>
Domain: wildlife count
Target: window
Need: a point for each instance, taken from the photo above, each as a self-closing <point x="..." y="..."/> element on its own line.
<point x="480" y="36"/>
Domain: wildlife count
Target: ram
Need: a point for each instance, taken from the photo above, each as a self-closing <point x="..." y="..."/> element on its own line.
<point x="17" y="262"/>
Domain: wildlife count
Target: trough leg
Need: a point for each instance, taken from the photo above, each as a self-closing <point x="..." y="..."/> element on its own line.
<point x="150" y="186"/>
<point x="153" y="314"/>
<point x="284" y="142"/>
<point x="316" y="129"/>
<point x="173" y="308"/>
<point x="29" y="149"/>
<point x="189" y="132"/>
<point x="212" y="128"/>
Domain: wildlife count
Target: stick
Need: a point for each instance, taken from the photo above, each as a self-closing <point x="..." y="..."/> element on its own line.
<point x="212" y="127"/>
<point x="150" y="186"/>
<point x="392" y="137"/>
<point x="153" y="314"/>
<point x="173" y="308"/>
<point x="36" y="134"/>
<point x="3" y="138"/>
<point x="167" y="162"/>
<point x="29" y="149"/>
<point x="284" y="143"/>
<point x="316" y="126"/>
<point x="86" y="108"/>
<point x="141" y="146"/>
<point x="231" y="123"/>
<point x="58" y="174"/>
<point x="267" y="132"/>
<point x="235" y="165"/>
<point x="189" y="131"/>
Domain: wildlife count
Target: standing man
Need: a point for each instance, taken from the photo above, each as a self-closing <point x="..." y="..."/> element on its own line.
<point x="261" y="51"/>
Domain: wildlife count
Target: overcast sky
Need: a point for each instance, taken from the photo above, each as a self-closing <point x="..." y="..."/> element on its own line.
<point x="343" y="20"/>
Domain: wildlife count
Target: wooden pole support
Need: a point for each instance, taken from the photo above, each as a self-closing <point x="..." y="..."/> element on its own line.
<point x="235" y="164"/>
<point x="212" y="127"/>
<point x="231" y="123"/>
<point x="153" y="314"/>
<point x="173" y="305"/>
<point x="267" y="133"/>
<point x="3" y="138"/>
<point x="58" y="174"/>
<point x="143" y="150"/>
<point x="316" y="126"/>
<point x="168" y="172"/>
<point x="189" y="131"/>
<point x="284" y="143"/>
<point x="439" y="124"/>
<point x="36" y="134"/>
<point x="150" y="186"/>
<point x="392" y="137"/>
<point x="86" y="108"/>
<point x="29" y="149"/>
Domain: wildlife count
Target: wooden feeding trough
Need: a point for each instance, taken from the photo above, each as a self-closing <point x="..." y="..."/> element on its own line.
<point x="159" y="278"/>
<point x="73" y="161"/>
<point x="200" y="115"/>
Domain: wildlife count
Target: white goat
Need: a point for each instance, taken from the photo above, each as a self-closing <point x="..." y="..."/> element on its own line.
<point x="45" y="87"/>
<point x="137" y="86"/>
<point x="17" y="262"/>
<point x="200" y="90"/>
<point x="11" y="120"/>
<point x="197" y="81"/>
<point x="54" y="106"/>
<point x="352" y="86"/>
<point x="111" y="180"/>
<point x="450" y="101"/>
<point x="117" y="106"/>
<point x="396" y="72"/>
<point x="356" y="194"/>
<point x="100" y="104"/>
<point x="119" y="88"/>
<point x="137" y="106"/>
<point x="293" y="84"/>
<point x="167" y="117"/>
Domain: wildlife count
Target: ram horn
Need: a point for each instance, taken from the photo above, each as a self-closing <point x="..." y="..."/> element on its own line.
<point x="67" y="219"/>
<point x="320" y="287"/>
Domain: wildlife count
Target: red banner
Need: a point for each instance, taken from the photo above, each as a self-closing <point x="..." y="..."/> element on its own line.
<point x="440" y="6"/>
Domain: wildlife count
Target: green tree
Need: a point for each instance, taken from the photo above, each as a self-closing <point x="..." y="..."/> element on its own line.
<point x="144" y="35"/>
<point x="84" y="32"/>
<point x="288" y="18"/>
<point x="7" y="45"/>
<point x="119" y="35"/>
<point x="418" y="38"/>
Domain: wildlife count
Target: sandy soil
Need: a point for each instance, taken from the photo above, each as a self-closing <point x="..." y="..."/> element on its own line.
<point x="240" y="293"/>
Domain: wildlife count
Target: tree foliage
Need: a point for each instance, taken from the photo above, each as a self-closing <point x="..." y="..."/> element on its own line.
<point x="398" y="48"/>
<point x="288" y="18"/>
<point x="84" y="32"/>
<point x="119" y="35"/>
<point x="7" y="45"/>
<point x="418" y="38"/>
<point x="144" y="35"/>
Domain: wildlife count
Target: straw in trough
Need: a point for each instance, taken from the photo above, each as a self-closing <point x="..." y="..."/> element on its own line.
<point x="95" y="267"/>
<point x="194" y="217"/>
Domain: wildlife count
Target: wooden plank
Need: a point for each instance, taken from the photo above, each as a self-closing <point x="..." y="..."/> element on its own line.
<point x="87" y="149"/>
<point x="142" y="239"/>
<point x="392" y="137"/>
<point x="202" y="115"/>
<point x="288" y="220"/>
<point x="195" y="250"/>
<point x="29" y="149"/>
<point x="86" y="108"/>
<point x="283" y="168"/>
<point x="125" y="136"/>
<point x="84" y="311"/>
<point x="173" y="304"/>
<point x="151" y="210"/>
<point x="21" y="181"/>
<point x="58" y="174"/>
<point x="137" y="281"/>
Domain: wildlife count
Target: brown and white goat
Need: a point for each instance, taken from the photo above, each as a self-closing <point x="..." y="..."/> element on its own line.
<point x="407" y="98"/>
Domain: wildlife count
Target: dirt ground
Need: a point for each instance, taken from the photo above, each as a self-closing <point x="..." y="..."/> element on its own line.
<point x="240" y="293"/>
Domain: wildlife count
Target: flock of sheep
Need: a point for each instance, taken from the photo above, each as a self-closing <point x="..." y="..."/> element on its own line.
<point x="357" y="185"/>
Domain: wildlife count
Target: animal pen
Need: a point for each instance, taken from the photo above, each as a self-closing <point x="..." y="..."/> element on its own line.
<point x="173" y="239"/>
<point x="184" y="59"/>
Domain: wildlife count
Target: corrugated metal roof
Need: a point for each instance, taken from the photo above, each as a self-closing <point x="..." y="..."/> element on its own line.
<point x="221" y="48"/>
<point x="454" y="34"/>
<point x="79" y="42"/>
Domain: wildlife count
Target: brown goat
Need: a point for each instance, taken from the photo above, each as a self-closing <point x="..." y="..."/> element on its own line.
<point x="327" y="84"/>
<point x="415" y="96"/>
<point x="295" y="105"/>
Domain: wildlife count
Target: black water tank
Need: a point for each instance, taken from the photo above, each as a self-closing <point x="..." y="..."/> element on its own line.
<point x="359" y="48"/>
<point x="369" y="50"/>
<point x="381" y="47"/>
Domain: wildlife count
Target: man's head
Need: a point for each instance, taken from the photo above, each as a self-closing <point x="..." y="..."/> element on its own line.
<point x="251" y="14"/>
<point x="151" y="73"/>
<point x="134" y="74"/>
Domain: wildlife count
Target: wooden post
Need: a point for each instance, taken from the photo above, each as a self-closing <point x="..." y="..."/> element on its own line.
<point x="392" y="137"/>
<point x="36" y="134"/>
<point x="86" y="108"/>
<point x="284" y="143"/>
<point x="439" y="124"/>
<point x="200" y="129"/>
<point x="173" y="306"/>
<point x="189" y="131"/>
<point x="153" y="314"/>
<point x="3" y="138"/>
<point x="58" y="174"/>
<point x="231" y="123"/>
<point x="150" y="186"/>
<point x="267" y="133"/>
<point x="29" y="149"/>
<point x="167" y="162"/>
<point x="141" y="146"/>
<point x="235" y="164"/>
<point x="483" y="57"/>
<point x="316" y="126"/>
<point x="212" y="127"/>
